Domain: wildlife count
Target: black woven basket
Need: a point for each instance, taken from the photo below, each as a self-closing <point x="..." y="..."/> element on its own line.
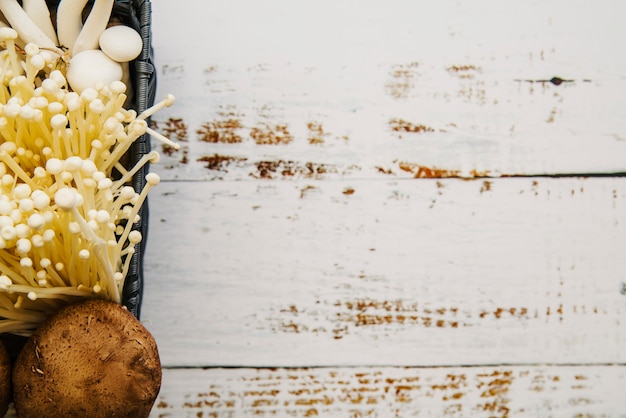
<point x="138" y="15"/>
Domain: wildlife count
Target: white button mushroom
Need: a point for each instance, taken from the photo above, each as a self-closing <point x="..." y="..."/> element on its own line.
<point x="121" y="43"/>
<point x="90" y="68"/>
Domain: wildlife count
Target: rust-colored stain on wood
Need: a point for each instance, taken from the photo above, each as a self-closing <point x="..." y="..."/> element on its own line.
<point x="273" y="169"/>
<point x="316" y="133"/>
<point x="465" y="71"/>
<point x="402" y="126"/>
<point x="220" y="131"/>
<point x="220" y="162"/>
<point x="421" y="171"/>
<point x="230" y="129"/>
<point x="280" y="168"/>
<point x="432" y="172"/>
<point x="343" y="318"/>
<point x="270" y="134"/>
<point x="493" y="388"/>
<point x="401" y="80"/>
<point x="177" y="130"/>
<point x="486" y="186"/>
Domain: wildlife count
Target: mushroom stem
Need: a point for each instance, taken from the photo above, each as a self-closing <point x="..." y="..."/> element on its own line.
<point x="150" y="157"/>
<point x="162" y="138"/>
<point x="69" y="21"/>
<point x="128" y="252"/>
<point x="25" y="27"/>
<point x="100" y="250"/>
<point x="167" y="102"/>
<point x="95" y="24"/>
<point x="67" y="200"/>
<point x="50" y="292"/>
<point x="16" y="168"/>
<point x="19" y="315"/>
<point x="9" y="35"/>
<point x="10" y="272"/>
<point x="38" y="11"/>
<point x="152" y="179"/>
<point x="18" y="41"/>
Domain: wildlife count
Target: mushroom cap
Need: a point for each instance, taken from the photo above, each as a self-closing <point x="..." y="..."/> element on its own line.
<point x="90" y="68"/>
<point x="92" y="358"/>
<point x="5" y="379"/>
<point x="121" y="43"/>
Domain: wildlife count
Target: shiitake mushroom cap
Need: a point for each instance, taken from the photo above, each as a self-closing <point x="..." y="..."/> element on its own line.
<point x="90" y="359"/>
<point x="5" y="379"/>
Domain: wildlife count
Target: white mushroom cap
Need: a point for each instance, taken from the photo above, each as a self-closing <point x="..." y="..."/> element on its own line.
<point x="90" y="68"/>
<point x="121" y="43"/>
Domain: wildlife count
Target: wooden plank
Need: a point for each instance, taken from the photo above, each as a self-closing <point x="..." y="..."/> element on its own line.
<point x="362" y="90"/>
<point x="530" y="391"/>
<point x="402" y="273"/>
<point x="526" y="391"/>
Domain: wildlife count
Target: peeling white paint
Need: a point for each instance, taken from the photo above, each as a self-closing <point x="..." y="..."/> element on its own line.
<point x="340" y="259"/>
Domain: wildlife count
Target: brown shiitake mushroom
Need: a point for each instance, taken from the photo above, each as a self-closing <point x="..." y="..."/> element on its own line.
<point x="90" y="359"/>
<point x="5" y="379"/>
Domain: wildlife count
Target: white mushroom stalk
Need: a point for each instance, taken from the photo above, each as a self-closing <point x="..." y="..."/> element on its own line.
<point x="67" y="211"/>
<point x="69" y="21"/>
<point x="26" y="28"/>
<point x="95" y="24"/>
<point x="38" y="11"/>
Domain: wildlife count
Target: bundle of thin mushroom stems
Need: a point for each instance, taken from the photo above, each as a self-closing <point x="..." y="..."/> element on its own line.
<point x="66" y="208"/>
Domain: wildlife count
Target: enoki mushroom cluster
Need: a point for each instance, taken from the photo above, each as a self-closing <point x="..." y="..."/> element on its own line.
<point x="66" y="209"/>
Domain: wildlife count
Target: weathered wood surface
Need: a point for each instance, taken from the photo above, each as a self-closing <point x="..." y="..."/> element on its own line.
<point x="365" y="88"/>
<point x="430" y="272"/>
<point x="288" y="239"/>
<point x="530" y="391"/>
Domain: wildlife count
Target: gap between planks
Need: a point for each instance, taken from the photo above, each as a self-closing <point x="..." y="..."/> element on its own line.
<point x="416" y="367"/>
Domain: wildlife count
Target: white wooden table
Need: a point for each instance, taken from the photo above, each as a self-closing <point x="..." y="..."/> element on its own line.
<point x="390" y="208"/>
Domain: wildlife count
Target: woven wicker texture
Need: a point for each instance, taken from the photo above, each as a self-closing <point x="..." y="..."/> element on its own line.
<point x="137" y="14"/>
